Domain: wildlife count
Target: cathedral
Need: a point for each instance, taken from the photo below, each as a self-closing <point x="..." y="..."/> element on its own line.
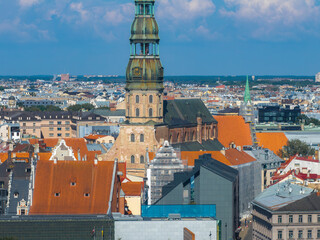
<point x="184" y="123"/>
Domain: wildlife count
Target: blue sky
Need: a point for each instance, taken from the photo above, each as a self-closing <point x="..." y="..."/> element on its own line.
<point x="198" y="37"/>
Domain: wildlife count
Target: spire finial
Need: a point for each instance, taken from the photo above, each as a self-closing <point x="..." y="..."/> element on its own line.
<point x="247" y="97"/>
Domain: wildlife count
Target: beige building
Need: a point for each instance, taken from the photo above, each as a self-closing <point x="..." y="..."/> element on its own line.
<point x="286" y="211"/>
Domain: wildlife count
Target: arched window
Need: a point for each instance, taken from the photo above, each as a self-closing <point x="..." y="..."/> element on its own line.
<point x="141" y="159"/>
<point x="137" y="99"/>
<point x="137" y="112"/>
<point x="132" y="159"/>
<point x="141" y="137"/>
<point x="150" y="112"/>
<point x="150" y="99"/>
<point x="132" y="137"/>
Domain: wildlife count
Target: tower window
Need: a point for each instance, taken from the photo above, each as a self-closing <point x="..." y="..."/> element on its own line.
<point x="150" y="112"/>
<point x="132" y="138"/>
<point x="141" y="159"/>
<point x="141" y="137"/>
<point x="137" y="99"/>
<point x="137" y="112"/>
<point x="132" y="159"/>
<point x="150" y="99"/>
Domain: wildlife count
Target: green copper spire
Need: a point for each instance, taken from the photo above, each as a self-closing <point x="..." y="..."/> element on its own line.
<point x="247" y="97"/>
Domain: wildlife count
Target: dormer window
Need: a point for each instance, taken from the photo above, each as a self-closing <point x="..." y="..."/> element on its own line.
<point x="57" y="194"/>
<point x="87" y="194"/>
<point x="16" y="195"/>
<point x="73" y="184"/>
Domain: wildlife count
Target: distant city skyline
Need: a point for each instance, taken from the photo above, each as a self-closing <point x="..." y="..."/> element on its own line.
<point x="198" y="37"/>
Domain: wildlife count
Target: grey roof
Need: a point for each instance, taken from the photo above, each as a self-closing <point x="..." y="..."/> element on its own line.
<point x="308" y="203"/>
<point x="108" y="113"/>
<point x="20" y="186"/>
<point x="208" y="145"/>
<point x="260" y="155"/>
<point x="95" y="147"/>
<point x="280" y="195"/>
<point x="184" y="112"/>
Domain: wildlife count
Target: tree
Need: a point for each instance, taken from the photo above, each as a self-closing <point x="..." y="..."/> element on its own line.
<point x="79" y="107"/>
<point x="307" y="121"/>
<point x="296" y="146"/>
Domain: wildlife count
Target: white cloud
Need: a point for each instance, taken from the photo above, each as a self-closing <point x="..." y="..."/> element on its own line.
<point x="185" y="9"/>
<point x="28" y="3"/>
<point x="78" y="7"/>
<point x="285" y="12"/>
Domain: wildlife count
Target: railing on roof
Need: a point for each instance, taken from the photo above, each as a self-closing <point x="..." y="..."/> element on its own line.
<point x="185" y="211"/>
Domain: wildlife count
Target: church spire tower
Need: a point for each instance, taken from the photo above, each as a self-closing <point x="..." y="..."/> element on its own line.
<point x="144" y="76"/>
<point x="247" y="96"/>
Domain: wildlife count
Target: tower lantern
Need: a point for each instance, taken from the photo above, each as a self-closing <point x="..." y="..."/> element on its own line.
<point x="144" y="85"/>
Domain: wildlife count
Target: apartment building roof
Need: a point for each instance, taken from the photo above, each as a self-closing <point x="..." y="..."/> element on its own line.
<point x="272" y="140"/>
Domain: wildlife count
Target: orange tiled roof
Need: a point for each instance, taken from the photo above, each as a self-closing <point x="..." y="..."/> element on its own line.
<point x="94" y="137"/>
<point x="237" y="157"/>
<point x="233" y="129"/>
<point x="75" y="143"/>
<point x="44" y="156"/>
<point x="3" y="157"/>
<point x="192" y="156"/>
<point x="132" y="188"/>
<point x="88" y="178"/>
<point x="272" y="140"/>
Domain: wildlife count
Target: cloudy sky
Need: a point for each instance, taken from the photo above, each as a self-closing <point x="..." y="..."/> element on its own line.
<point x="198" y="37"/>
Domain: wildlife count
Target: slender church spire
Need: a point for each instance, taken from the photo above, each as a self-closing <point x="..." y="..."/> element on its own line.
<point x="247" y="97"/>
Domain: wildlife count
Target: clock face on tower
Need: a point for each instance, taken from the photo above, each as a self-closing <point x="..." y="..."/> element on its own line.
<point x="137" y="72"/>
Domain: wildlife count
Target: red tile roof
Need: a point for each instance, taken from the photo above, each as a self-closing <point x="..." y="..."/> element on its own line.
<point x="91" y="179"/>
<point x="272" y="140"/>
<point x="237" y="157"/>
<point x="94" y="137"/>
<point x="233" y="129"/>
<point x="132" y="188"/>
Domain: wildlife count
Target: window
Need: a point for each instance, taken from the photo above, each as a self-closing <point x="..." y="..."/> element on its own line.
<point x="318" y="218"/>
<point x="279" y="219"/>
<point x="51" y="129"/>
<point x="50" y="134"/>
<point x="34" y="124"/>
<point x="51" y="122"/>
<point x="309" y="234"/>
<point x="132" y="159"/>
<point x="16" y="195"/>
<point x="137" y="99"/>
<point x="300" y="234"/>
<point x="137" y="112"/>
<point x="67" y="122"/>
<point x="67" y="134"/>
<point x="132" y="137"/>
<point x="141" y="159"/>
<point x="150" y="99"/>
<point x="141" y="137"/>
<point x="57" y="194"/>
<point x="59" y="129"/>
<point x="87" y="194"/>
<point x="24" y="124"/>
<point x="290" y="219"/>
<point x="67" y="129"/>
<point x="290" y="234"/>
<point x="59" y="122"/>
<point x="318" y="233"/>
<point x="73" y="184"/>
<point x="34" y="130"/>
<point x="150" y="112"/>
<point x="23" y="212"/>
<point x="59" y="135"/>
<point x="279" y="234"/>
<point x="309" y="218"/>
<point x="300" y="219"/>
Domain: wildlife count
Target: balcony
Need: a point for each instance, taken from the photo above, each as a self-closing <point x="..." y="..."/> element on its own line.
<point x="185" y="211"/>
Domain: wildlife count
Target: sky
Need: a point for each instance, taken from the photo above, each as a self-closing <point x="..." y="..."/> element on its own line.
<point x="198" y="37"/>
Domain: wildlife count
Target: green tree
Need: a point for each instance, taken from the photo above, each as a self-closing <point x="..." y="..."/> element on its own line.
<point x="79" y="107"/>
<point x="307" y="121"/>
<point x="296" y="146"/>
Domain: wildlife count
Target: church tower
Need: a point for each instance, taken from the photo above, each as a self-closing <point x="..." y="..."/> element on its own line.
<point x="144" y="75"/>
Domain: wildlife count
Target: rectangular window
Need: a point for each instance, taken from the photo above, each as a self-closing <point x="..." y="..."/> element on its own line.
<point x="59" y="135"/>
<point x="290" y="219"/>
<point x="309" y="218"/>
<point x="279" y="219"/>
<point x="67" y="129"/>
<point x="309" y="234"/>
<point x="51" y="129"/>
<point x="51" y="122"/>
<point x="279" y="234"/>
<point x="34" y="124"/>
<point x="59" y="122"/>
<point x="67" y="134"/>
<point x="290" y="234"/>
<point x="318" y="233"/>
<point x="24" y="124"/>
<point x="300" y="234"/>
<point x="59" y="129"/>
<point x="318" y="218"/>
<point x="300" y="218"/>
<point x="50" y="134"/>
<point x="67" y="122"/>
<point x="34" y="131"/>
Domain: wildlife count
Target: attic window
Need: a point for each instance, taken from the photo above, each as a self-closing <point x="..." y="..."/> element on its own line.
<point x="8" y="169"/>
<point x="87" y="194"/>
<point x="28" y="170"/>
<point x="73" y="184"/>
<point x="57" y="194"/>
<point x="16" y="195"/>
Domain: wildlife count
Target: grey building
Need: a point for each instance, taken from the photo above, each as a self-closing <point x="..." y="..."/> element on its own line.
<point x="286" y="211"/>
<point x="210" y="182"/>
